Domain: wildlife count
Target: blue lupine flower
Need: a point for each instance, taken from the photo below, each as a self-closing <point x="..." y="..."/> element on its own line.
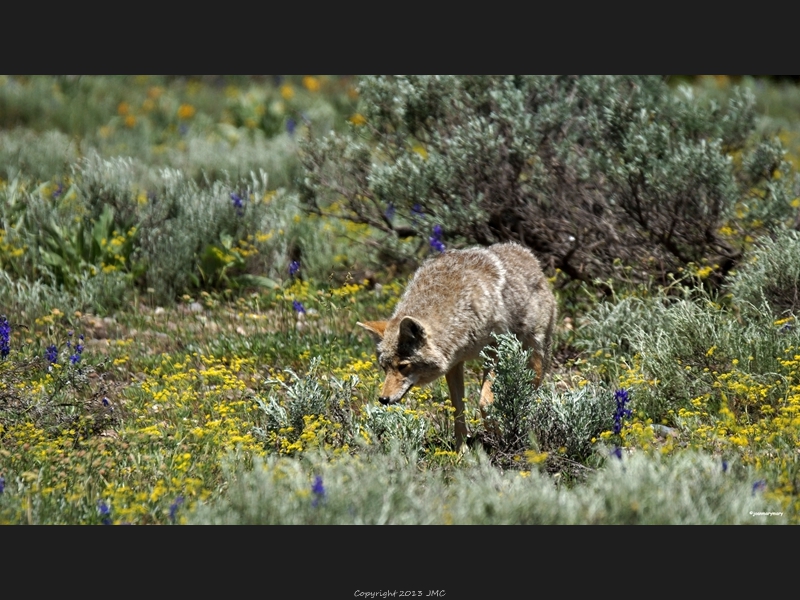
<point x="58" y="190"/>
<point x="291" y="124"/>
<point x="389" y="214"/>
<point x="51" y="354"/>
<point x="621" y="396"/>
<point x="105" y="512"/>
<point x="436" y="239"/>
<point x="5" y="336"/>
<point x="105" y="402"/>
<point x="298" y="306"/>
<point x="759" y="486"/>
<point x="318" y="490"/>
<point x="617" y="451"/>
<point x="416" y="212"/>
<point x="294" y="267"/>
<point x="238" y="203"/>
<point x="724" y="466"/>
<point x="173" y="508"/>
<point x="76" y="358"/>
<point x="2" y="484"/>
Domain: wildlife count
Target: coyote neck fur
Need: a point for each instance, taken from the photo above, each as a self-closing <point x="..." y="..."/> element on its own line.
<point x="456" y="297"/>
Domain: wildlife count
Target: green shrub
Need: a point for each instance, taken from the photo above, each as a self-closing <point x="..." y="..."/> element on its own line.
<point x="390" y="489"/>
<point x="767" y="285"/>
<point x="671" y="349"/>
<point x="583" y="170"/>
<point x="322" y="398"/>
<point x="562" y="424"/>
<point x="508" y="417"/>
<point x="38" y="156"/>
<point x="565" y="424"/>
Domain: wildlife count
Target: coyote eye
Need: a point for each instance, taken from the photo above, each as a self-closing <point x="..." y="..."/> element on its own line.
<point x="404" y="368"/>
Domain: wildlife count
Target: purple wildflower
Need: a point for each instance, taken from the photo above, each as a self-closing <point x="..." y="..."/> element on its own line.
<point x="173" y="508"/>
<point x="759" y="486"/>
<point x="76" y="357"/>
<point x="51" y="354"/>
<point x="437" y="245"/>
<point x="617" y="452"/>
<point x="390" y="210"/>
<point x="238" y="203"/>
<point x="416" y="211"/>
<point x="291" y="124"/>
<point x="436" y="239"/>
<point x="105" y="402"/>
<point x="724" y="466"/>
<point x="105" y="512"/>
<point x="5" y="336"/>
<point x="318" y="490"/>
<point x="294" y="267"/>
<point x="298" y="306"/>
<point x="2" y="484"/>
<point x="57" y="192"/>
<point x="621" y="396"/>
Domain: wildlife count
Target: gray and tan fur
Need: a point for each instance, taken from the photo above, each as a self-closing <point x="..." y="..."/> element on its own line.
<point x="447" y="315"/>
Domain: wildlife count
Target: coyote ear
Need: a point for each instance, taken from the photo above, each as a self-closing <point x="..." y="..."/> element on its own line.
<point x="375" y="329"/>
<point x="412" y="332"/>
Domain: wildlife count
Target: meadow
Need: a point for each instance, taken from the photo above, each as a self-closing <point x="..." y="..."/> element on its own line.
<point x="178" y="339"/>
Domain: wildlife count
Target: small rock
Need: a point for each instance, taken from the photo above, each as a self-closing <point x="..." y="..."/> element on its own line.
<point x="663" y="430"/>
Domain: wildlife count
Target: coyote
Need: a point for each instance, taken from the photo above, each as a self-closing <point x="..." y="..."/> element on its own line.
<point x="447" y="315"/>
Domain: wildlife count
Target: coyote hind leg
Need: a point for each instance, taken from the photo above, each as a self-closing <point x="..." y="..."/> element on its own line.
<point x="536" y="364"/>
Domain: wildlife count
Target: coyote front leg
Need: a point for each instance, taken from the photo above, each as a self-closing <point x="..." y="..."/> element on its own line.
<point x="455" y="383"/>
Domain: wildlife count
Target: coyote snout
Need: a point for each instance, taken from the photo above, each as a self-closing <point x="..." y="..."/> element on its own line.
<point x="448" y="313"/>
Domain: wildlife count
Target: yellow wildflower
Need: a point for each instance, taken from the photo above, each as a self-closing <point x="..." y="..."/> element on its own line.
<point x="311" y="83"/>
<point x="186" y="111"/>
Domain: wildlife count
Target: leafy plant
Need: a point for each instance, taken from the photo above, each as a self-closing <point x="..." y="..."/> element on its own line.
<point x="592" y="173"/>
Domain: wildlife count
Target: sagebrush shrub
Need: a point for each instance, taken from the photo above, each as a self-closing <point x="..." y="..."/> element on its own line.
<point x="768" y="283"/>
<point x="583" y="170"/>
<point x="690" y="488"/>
<point x="508" y="417"/>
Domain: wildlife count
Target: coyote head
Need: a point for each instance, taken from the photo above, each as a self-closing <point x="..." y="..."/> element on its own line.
<point x="406" y="355"/>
